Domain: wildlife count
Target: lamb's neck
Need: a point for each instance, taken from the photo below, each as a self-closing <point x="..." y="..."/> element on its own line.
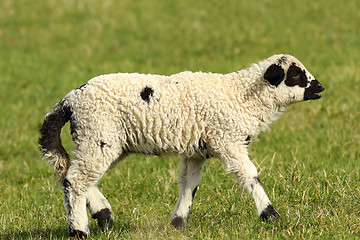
<point x="256" y="97"/>
<point x="266" y="110"/>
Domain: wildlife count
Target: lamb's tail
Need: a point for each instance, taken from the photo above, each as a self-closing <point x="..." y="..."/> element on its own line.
<point x="50" y="141"/>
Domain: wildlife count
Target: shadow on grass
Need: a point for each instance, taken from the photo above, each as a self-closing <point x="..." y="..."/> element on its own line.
<point x="62" y="233"/>
<point x="42" y="233"/>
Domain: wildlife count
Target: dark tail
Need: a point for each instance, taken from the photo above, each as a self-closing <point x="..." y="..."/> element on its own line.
<point x="50" y="141"/>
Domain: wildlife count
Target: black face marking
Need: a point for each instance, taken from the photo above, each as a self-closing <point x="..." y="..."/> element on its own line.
<point x="146" y="93"/>
<point x="312" y="92"/>
<point x="282" y="60"/>
<point x="104" y="218"/>
<point x="269" y="214"/>
<point x="296" y="76"/>
<point x="274" y="75"/>
<point x="194" y="192"/>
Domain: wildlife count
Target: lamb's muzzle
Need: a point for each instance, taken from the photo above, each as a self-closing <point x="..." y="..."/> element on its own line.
<point x="313" y="91"/>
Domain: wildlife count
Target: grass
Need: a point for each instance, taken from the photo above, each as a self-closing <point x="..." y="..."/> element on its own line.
<point x="308" y="161"/>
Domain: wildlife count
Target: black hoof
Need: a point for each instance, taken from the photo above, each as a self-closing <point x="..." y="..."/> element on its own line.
<point x="104" y="218"/>
<point x="78" y="234"/>
<point x="178" y="222"/>
<point x="269" y="214"/>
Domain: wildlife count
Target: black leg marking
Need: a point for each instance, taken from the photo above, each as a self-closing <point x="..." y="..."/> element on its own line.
<point x="78" y="234"/>
<point x="257" y="180"/>
<point x="194" y="192"/>
<point x="66" y="186"/>
<point x="146" y="93"/>
<point x="178" y="222"/>
<point x="269" y="214"/>
<point x="104" y="218"/>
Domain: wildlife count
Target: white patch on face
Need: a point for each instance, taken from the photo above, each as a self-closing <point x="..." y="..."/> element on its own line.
<point x="297" y="93"/>
<point x="287" y="95"/>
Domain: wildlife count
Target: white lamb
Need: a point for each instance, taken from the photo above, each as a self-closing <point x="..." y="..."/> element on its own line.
<point x="194" y="115"/>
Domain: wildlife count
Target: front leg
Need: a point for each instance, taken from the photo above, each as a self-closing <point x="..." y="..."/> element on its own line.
<point x="190" y="177"/>
<point x="264" y="207"/>
<point x="236" y="161"/>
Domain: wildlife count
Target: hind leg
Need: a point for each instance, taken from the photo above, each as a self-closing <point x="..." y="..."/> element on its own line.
<point x="75" y="205"/>
<point x="98" y="205"/>
<point x="190" y="177"/>
<point x="91" y="161"/>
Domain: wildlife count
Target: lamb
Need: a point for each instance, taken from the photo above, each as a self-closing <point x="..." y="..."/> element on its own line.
<point x="194" y="115"/>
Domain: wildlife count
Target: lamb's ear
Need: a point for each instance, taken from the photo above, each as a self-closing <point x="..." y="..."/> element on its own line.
<point x="274" y="75"/>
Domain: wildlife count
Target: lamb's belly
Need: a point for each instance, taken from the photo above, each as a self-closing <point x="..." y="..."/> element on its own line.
<point x="161" y="132"/>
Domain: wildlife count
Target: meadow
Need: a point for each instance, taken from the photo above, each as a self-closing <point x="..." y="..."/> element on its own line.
<point x="308" y="162"/>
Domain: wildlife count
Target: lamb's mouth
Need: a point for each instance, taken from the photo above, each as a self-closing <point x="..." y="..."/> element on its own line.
<point x="318" y="94"/>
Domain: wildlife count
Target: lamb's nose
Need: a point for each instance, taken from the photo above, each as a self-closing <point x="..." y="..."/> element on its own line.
<point x="317" y="84"/>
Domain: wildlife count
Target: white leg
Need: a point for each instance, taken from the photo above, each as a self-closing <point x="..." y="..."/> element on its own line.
<point x="75" y="206"/>
<point x="90" y="163"/>
<point x="190" y="177"/>
<point x="99" y="207"/>
<point x="237" y="162"/>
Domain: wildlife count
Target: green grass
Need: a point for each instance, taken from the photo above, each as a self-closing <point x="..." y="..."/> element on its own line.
<point x="308" y="162"/>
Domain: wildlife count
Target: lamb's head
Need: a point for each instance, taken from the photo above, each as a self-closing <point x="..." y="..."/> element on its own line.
<point x="290" y="80"/>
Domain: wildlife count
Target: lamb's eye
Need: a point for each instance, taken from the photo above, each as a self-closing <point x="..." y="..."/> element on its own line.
<point x="296" y="78"/>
